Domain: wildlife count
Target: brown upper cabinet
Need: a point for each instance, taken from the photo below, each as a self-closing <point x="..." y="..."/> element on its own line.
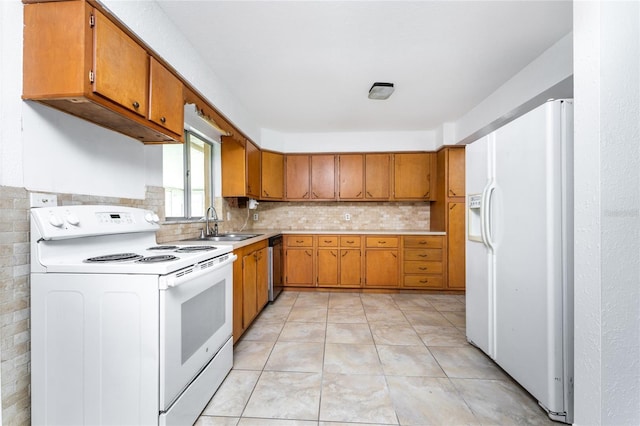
<point x="323" y="177"/>
<point x="297" y="177"/>
<point x="241" y="168"/>
<point x="351" y="176"/>
<point x="272" y="176"/>
<point x="80" y="61"/>
<point x="377" y="176"/>
<point x="412" y="176"/>
<point x="455" y="172"/>
<point x="310" y="177"/>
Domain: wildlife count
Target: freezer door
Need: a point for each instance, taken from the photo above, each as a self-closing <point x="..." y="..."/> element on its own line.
<point x="527" y="229"/>
<point x="479" y="294"/>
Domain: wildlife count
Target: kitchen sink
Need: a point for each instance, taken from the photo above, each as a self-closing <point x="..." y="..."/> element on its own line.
<point x="229" y="237"/>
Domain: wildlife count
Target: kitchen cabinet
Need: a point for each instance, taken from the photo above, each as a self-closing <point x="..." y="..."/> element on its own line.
<point x="166" y="99"/>
<point x="250" y="286"/>
<point x="412" y="176"/>
<point x="272" y="172"/>
<point x="327" y="261"/>
<point x="377" y="176"/>
<point x="456" y="240"/>
<point x="240" y="168"/>
<point x="323" y="177"/>
<point x="310" y="177"/>
<point x="350" y="261"/>
<point x="423" y="261"/>
<point x="80" y="61"/>
<point x="299" y="260"/>
<point x="351" y="176"/>
<point x="297" y="177"/>
<point x="339" y="261"/>
<point x="382" y="264"/>
<point x="448" y="212"/>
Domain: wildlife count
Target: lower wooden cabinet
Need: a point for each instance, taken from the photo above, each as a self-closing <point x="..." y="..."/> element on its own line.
<point x="382" y="263"/>
<point x="412" y="262"/>
<point x="250" y="286"/>
<point x="423" y="261"/>
<point x="298" y="261"/>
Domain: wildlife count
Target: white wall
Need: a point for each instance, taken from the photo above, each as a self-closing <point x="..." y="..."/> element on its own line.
<point x="549" y="75"/>
<point x="607" y="213"/>
<point x="46" y="150"/>
<point x="349" y="141"/>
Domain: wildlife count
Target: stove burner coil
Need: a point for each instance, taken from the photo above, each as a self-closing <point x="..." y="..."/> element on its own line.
<point x="163" y="248"/>
<point x="117" y="257"/>
<point x="158" y="259"/>
<point x="193" y="249"/>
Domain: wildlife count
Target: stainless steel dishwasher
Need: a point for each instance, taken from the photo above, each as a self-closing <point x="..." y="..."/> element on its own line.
<point x="276" y="265"/>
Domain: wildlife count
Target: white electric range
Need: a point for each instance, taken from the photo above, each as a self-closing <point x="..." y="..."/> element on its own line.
<point x="124" y="331"/>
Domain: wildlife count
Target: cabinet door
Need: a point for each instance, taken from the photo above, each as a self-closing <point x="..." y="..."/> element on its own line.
<point x="262" y="283"/>
<point x="234" y="170"/>
<point x="323" y="177"/>
<point x="121" y="66"/>
<point x="272" y="176"/>
<point x="456" y="173"/>
<point x="350" y="267"/>
<point x="299" y="267"/>
<point x="166" y="100"/>
<point x="377" y="176"/>
<point x="253" y="170"/>
<point x="412" y="176"/>
<point x="327" y="267"/>
<point x="456" y="246"/>
<point x="249" y="289"/>
<point x="351" y="181"/>
<point x="381" y="268"/>
<point x="297" y="182"/>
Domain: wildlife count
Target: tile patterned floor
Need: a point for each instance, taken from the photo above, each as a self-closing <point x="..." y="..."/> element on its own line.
<point x="339" y="359"/>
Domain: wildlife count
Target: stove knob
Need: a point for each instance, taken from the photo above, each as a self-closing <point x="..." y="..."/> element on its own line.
<point x="156" y="218"/>
<point x="73" y="219"/>
<point x="55" y="221"/>
<point x="148" y="217"/>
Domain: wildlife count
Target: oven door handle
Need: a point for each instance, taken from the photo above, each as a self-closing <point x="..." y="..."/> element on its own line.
<point x="192" y="272"/>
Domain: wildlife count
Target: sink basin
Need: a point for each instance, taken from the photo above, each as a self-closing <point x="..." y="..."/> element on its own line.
<point x="230" y="237"/>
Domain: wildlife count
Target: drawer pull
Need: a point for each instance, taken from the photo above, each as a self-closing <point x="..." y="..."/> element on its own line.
<point x="382" y="242"/>
<point x="422" y="268"/>
<point x="424" y="281"/>
<point x="423" y="255"/>
<point x="350" y="242"/>
<point x="423" y="242"/>
<point x="299" y="241"/>
<point x="328" y="241"/>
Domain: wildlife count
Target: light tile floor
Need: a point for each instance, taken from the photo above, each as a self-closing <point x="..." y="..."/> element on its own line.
<point x="331" y="359"/>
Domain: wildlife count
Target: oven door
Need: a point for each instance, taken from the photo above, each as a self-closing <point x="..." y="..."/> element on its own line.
<point x="195" y="322"/>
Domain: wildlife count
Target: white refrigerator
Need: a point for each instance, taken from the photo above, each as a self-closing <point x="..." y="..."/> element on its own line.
<point x="519" y="252"/>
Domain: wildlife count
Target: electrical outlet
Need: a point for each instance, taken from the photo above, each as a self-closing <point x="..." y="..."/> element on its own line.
<point x="37" y="199"/>
<point x="255" y="216"/>
<point x="347" y="216"/>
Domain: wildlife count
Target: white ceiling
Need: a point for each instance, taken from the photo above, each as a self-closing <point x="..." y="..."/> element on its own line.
<point x="307" y="66"/>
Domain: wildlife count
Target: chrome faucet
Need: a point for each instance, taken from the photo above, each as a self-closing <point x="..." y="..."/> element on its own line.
<point x="208" y="232"/>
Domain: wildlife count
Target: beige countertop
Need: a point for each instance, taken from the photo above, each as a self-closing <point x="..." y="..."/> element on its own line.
<point x="264" y="234"/>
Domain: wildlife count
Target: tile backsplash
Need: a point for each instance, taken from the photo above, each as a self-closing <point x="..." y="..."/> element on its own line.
<point x="309" y="216"/>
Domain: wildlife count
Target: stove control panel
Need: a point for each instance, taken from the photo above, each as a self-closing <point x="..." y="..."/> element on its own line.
<point x="61" y="222"/>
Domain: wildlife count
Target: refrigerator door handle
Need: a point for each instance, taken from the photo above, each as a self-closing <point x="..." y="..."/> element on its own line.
<point x="487" y="213"/>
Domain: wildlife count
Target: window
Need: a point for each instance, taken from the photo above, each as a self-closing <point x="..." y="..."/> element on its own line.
<point x="188" y="172"/>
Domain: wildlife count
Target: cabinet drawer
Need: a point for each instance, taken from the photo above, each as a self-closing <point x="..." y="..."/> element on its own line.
<point x="327" y="241"/>
<point x="421" y="281"/>
<point x="425" y="254"/>
<point x="350" y="241"/>
<point x="382" y="242"/>
<point x="299" y="241"/>
<point x="417" y="267"/>
<point x="423" y="241"/>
